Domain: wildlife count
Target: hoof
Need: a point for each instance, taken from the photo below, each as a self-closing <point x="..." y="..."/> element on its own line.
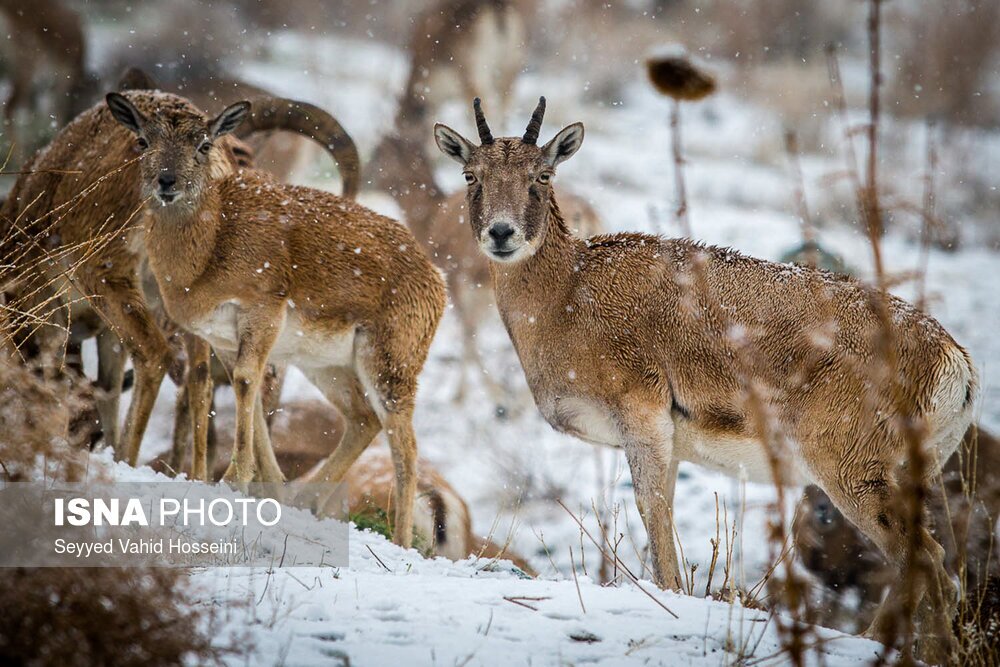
<point x="235" y="480"/>
<point x="311" y="499"/>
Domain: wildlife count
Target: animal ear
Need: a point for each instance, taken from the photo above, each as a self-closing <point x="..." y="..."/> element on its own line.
<point x="453" y="144"/>
<point x="125" y="112"/>
<point x="229" y="119"/>
<point x="137" y="79"/>
<point x="563" y="145"/>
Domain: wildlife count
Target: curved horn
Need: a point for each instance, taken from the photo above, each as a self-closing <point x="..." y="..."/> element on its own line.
<point x="278" y="113"/>
<point x="535" y="124"/>
<point x="485" y="136"/>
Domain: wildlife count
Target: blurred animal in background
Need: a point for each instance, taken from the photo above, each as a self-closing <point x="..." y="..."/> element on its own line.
<point x="305" y="432"/>
<point x="400" y="166"/>
<point x="842" y="559"/>
<point x="461" y="49"/>
<point x="46" y="51"/>
<point x="811" y="254"/>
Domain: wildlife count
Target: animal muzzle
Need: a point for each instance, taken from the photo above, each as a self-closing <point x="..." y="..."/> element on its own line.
<point x="166" y="187"/>
<point x="502" y="241"/>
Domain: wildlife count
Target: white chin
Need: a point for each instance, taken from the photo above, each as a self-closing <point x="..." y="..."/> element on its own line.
<point x="504" y="257"/>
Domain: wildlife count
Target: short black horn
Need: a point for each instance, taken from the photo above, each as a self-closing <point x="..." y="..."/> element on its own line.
<point x="485" y="136"/>
<point x="535" y="124"/>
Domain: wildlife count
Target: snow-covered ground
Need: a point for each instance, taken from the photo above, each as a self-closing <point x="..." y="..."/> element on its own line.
<point x="510" y="471"/>
<point x="393" y="607"/>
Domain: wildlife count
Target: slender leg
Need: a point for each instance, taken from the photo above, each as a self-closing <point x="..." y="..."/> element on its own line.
<point x="258" y="330"/>
<point x="110" y="375"/>
<point x="199" y="395"/>
<point x="125" y="311"/>
<point x="650" y="460"/>
<point x="342" y="388"/>
<point x="403" y="445"/>
<point x="268" y="470"/>
<point x="182" y="430"/>
<point x="212" y="438"/>
<point x="872" y="507"/>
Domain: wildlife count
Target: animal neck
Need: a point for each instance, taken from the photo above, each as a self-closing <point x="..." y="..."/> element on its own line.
<point x="546" y="277"/>
<point x="180" y="240"/>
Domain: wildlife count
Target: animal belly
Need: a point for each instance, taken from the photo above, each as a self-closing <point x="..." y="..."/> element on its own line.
<point x="735" y="456"/>
<point x="588" y="420"/>
<point x="301" y="344"/>
<point x="221" y="327"/>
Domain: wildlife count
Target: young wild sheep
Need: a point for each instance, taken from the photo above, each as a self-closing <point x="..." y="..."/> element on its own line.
<point x="72" y="244"/>
<point x="673" y="351"/>
<point x="260" y="147"/>
<point x="346" y="295"/>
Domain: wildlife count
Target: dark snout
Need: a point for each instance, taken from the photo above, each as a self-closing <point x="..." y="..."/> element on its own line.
<point x="501" y="234"/>
<point x="166" y="189"/>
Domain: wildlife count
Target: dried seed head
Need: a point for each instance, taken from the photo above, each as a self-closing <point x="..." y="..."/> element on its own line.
<point x="677" y="76"/>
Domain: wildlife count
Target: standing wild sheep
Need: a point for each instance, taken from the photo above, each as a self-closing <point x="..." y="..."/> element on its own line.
<point x="263" y="270"/>
<point x="674" y="351"/>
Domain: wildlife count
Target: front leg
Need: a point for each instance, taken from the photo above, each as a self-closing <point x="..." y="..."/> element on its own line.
<point x="199" y="398"/>
<point x="654" y="471"/>
<point x="258" y="330"/>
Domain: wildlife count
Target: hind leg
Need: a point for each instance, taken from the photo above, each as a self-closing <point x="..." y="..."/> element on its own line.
<point x="873" y="503"/>
<point x="343" y="389"/>
<point x="403" y="445"/>
<point x="390" y="381"/>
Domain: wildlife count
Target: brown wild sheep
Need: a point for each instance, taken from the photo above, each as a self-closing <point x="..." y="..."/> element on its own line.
<point x="345" y="294"/>
<point x="673" y="350"/>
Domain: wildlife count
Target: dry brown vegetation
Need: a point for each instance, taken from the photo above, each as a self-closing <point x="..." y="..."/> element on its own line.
<point x="96" y="616"/>
<point x="42" y="422"/>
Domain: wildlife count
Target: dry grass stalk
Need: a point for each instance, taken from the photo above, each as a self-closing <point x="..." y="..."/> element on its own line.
<point x="801" y="205"/>
<point x="899" y="627"/>
<point x="871" y="201"/>
<point x="43" y="420"/>
<point x="677" y="77"/>
<point x="614" y="557"/>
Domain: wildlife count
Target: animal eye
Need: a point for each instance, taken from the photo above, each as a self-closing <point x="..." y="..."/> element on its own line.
<point x="545" y="177"/>
<point x="142" y="143"/>
<point x="470" y="178"/>
<point x="205" y="147"/>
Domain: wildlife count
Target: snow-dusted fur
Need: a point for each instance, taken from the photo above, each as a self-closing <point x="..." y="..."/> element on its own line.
<point x="347" y="295"/>
<point x="676" y="351"/>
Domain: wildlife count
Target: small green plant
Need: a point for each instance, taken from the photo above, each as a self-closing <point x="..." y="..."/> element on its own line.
<point x="376" y="520"/>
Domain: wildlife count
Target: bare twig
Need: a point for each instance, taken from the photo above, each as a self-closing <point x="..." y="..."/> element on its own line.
<point x="624" y="569"/>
